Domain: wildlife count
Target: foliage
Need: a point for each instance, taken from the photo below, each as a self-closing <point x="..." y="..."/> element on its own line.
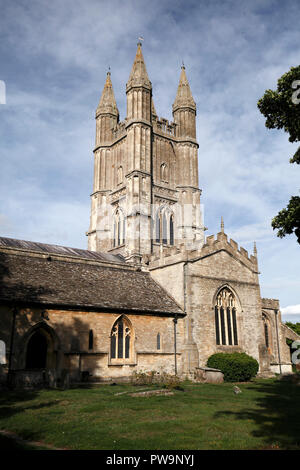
<point x="287" y="220"/>
<point x="281" y="109"/>
<point x="236" y="367"/>
<point x="294" y="326"/>
<point x="156" y="378"/>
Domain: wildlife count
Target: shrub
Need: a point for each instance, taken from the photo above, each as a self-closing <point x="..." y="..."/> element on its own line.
<point x="236" y="367"/>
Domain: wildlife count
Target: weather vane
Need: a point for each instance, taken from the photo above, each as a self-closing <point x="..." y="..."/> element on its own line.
<point x="141" y="38"/>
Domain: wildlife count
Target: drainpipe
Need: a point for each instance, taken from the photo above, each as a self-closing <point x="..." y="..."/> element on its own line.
<point x="185" y="265"/>
<point x="276" y="322"/>
<point x="15" y="310"/>
<point x="175" y="344"/>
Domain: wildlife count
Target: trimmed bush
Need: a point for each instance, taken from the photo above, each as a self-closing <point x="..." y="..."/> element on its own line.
<point x="236" y="367"/>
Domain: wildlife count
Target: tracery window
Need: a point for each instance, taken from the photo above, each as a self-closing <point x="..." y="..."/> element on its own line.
<point x="226" y="318"/>
<point x="121" y="339"/>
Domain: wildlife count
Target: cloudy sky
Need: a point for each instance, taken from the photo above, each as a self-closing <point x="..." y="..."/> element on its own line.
<point x="53" y="60"/>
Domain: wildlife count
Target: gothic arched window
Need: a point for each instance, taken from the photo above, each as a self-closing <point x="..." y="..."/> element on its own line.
<point x="226" y="318"/>
<point x="164" y="172"/>
<point x="121" y="340"/>
<point x="119" y="229"/>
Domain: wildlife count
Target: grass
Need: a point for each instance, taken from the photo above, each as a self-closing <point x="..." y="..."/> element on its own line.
<point x="265" y="415"/>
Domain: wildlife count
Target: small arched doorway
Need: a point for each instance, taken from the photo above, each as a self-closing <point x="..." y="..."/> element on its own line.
<point x="36" y="354"/>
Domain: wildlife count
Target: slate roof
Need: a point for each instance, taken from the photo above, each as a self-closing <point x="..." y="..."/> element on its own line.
<point x="62" y="282"/>
<point x="59" y="250"/>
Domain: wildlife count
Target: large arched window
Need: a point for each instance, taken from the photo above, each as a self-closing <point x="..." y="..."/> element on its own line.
<point x="121" y="340"/>
<point x="226" y="318"/>
<point x="119" y="229"/>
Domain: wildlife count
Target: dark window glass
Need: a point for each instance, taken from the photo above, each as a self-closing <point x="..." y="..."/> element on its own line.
<point x="223" y="325"/>
<point x="158" y="341"/>
<point x="120" y="339"/>
<point x="165" y="239"/>
<point x="158" y="228"/>
<point x="229" y="326"/>
<point x="113" y="346"/>
<point x="171" y="231"/>
<point x="217" y="325"/>
<point x="127" y="344"/>
<point x="234" y="326"/>
<point x="91" y="339"/>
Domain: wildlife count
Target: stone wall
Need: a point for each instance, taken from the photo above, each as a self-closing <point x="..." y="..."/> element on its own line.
<point x="68" y="342"/>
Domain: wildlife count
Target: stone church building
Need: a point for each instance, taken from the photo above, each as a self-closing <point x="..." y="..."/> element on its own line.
<point x="151" y="293"/>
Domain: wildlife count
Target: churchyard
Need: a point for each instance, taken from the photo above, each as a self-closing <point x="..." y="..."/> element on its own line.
<point x="265" y="415"/>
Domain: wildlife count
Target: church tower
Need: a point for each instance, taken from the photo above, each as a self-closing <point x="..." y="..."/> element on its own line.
<point x="146" y="198"/>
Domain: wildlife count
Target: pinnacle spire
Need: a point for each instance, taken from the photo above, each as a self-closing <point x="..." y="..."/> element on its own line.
<point x="184" y="97"/>
<point x="222" y="224"/>
<point x="107" y="103"/>
<point x="254" y="249"/>
<point x="138" y="75"/>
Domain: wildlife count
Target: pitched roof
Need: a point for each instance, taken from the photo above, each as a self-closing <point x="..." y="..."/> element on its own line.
<point x="34" y="278"/>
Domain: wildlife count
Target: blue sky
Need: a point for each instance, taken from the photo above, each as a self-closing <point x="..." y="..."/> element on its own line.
<point x="53" y="59"/>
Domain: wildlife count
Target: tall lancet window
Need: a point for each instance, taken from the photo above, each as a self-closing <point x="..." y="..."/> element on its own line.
<point x="119" y="228"/>
<point x="164" y="172"/>
<point x="226" y="318"/>
<point x="121" y="340"/>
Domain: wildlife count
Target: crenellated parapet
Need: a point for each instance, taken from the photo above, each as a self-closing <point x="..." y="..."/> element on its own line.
<point x="211" y="246"/>
<point x="272" y="304"/>
<point x="163" y="126"/>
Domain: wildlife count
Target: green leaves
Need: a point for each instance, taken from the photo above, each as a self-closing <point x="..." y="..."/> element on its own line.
<point x="281" y="109"/>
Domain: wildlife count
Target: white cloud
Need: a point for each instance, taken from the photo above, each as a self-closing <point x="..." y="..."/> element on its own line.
<point x="55" y="57"/>
<point x="291" y="310"/>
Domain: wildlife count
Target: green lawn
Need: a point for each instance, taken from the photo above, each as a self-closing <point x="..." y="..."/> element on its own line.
<point x="265" y="415"/>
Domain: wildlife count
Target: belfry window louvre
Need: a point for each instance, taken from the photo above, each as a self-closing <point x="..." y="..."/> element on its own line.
<point x="164" y="227"/>
<point x="225" y="318"/>
<point x="120" y="340"/>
